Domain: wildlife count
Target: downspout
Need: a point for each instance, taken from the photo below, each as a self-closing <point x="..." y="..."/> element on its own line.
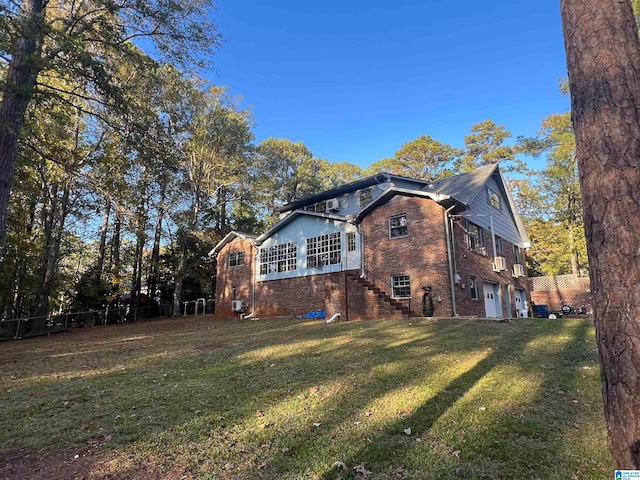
<point x="450" y="255"/>
<point x="254" y="268"/>
<point x="361" y="236"/>
<point x="505" y="301"/>
<point x="333" y="319"/>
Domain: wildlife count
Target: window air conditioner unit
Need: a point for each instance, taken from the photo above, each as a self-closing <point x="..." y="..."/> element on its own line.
<point x="333" y="205"/>
<point x="518" y="270"/>
<point x="499" y="264"/>
<point x="237" y="306"/>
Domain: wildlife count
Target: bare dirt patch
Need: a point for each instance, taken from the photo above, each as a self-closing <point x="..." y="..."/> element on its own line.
<point x="79" y="464"/>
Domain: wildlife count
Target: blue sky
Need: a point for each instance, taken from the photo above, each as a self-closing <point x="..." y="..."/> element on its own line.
<point x="354" y="80"/>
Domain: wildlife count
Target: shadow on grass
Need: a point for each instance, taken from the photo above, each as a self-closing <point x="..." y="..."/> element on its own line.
<point x="232" y="404"/>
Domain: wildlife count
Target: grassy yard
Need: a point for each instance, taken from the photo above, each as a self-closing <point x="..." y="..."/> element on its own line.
<point x="197" y="398"/>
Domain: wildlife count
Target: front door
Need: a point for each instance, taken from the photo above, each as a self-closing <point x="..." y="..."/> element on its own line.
<point x="490" y="300"/>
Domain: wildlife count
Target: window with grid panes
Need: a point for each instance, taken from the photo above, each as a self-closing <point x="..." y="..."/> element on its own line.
<point x="475" y="238"/>
<point x="401" y="285"/>
<point x="324" y="250"/>
<point x="236" y="259"/>
<point x="279" y="258"/>
<point x="351" y="242"/>
<point x="493" y="198"/>
<point x="398" y="226"/>
<point x="365" y="196"/>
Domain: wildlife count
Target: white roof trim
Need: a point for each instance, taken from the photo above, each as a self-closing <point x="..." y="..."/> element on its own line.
<point x="227" y="239"/>
<point x="284" y="221"/>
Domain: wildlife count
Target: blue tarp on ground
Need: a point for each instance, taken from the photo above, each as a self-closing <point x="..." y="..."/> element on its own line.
<point x="316" y="314"/>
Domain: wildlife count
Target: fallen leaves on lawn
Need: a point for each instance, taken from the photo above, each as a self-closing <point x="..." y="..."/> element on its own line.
<point x="359" y="469"/>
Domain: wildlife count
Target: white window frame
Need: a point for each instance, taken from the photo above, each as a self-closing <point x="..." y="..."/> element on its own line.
<point x="324" y="250"/>
<point x="493" y="199"/>
<point x="398" y="227"/>
<point x="351" y="242"/>
<point x="517" y="255"/>
<point x="400" y="282"/>
<point x="472" y="291"/>
<point x="236" y="259"/>
<point x="475" y="242"/>
<point x="365" y="196"/>
<point x="278" y="258"/>
<point x="499" y="247"/>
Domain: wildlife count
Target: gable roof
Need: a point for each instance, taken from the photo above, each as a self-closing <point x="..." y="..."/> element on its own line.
<point x="392" y="191"/>
<point x="458" y="190"/>
<point x="228" y="238"/>
<point x="465" y="186"/>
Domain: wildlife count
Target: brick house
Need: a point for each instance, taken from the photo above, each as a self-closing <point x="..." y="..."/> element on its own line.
<point x="385" y="246"/>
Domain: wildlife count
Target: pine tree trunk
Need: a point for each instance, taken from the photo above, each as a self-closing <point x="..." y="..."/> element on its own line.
<point x="603" y="57"/>
<point x="54" y="231"/>
<point x="115" y="247"/>
<point x="180" y="275"/>
<point x="21" y="274"/>
<point x="17" y="93"/>
<point x="155" y="254"/>
<point x="102" y="250"/>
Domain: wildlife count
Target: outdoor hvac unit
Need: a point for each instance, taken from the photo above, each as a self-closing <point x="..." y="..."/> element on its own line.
<point x="499" y="264"/>
<point x="518" y="270"/>
<point x="237" y="306"/>
<point x="333" y="205"/>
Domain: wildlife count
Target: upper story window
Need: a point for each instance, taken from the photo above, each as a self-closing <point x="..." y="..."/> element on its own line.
<point x="236" y="259"/>
<point x="493" y="198"/>
<point x="279" y="258"/>
<point x="365" y="196"/>
<point x="398" y="226"/>
<point x="324" y="250"/>
<point x="320" y="207"/>
<point x="517" y="255"/>
<point x="401" y="285"/>
<point x="351" y="242"/>
<point x="499" y="250"/>
<point x="475" y="238"/>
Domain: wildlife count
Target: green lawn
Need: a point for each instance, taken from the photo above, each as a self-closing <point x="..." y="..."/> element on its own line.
<point x="199" y="398"/>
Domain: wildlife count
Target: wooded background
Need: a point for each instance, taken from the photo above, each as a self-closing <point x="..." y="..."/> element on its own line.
<point x="128" y="168"/>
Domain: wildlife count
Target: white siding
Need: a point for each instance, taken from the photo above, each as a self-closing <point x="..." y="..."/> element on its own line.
<point x="481" y="214"/>
<point x="303" y="227"/>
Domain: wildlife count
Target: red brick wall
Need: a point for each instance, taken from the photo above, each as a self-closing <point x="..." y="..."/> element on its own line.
<point x="481" y="266"/>
<point x="240" y="277"/>
<point x="290" y="296"/>
<point x="422" y="254"/>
